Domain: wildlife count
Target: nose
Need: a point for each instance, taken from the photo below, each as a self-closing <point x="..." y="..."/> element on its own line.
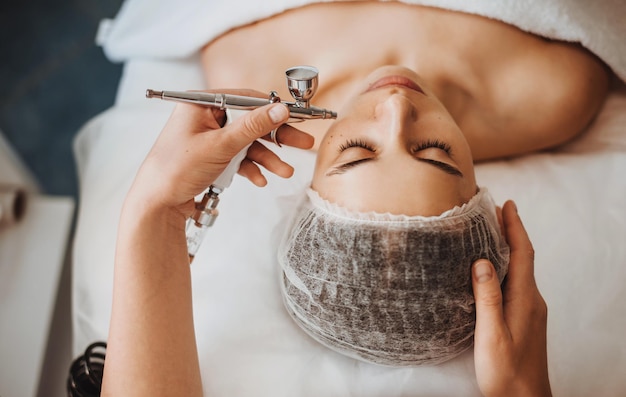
<point x="396" y="112"/>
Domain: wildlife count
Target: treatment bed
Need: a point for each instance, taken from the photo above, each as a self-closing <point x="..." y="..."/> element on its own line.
<point x="572" y="201"/>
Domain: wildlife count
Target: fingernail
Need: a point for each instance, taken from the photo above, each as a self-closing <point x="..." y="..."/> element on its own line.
<point x="482" y="271"/>
<point x="278" y="113"/>
<point x="514" y="206"/>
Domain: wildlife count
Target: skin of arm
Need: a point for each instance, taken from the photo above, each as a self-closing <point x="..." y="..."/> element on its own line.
<point x="151" y="347"/>
<point x="510" y="342"/>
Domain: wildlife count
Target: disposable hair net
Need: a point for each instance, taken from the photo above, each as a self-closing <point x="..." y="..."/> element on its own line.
<point x="389" y="289"/>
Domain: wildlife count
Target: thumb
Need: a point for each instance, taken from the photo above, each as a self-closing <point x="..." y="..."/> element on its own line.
<point x="488" y="298"/>
<point x="257" y="123"/>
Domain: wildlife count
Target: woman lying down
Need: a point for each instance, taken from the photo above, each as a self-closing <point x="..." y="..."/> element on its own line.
<point x="395" y="255"/>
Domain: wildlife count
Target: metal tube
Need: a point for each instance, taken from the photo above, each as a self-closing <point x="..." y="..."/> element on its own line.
<point x="222" y="101"/>
<point x="240" y="102"/>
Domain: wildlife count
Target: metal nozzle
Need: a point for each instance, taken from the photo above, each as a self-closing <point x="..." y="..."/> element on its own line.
<point x="154" y="94"/>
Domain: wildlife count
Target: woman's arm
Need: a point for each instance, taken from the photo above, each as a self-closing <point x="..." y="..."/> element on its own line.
<point x="151" y="347"/>
<point x="510" y="340"/>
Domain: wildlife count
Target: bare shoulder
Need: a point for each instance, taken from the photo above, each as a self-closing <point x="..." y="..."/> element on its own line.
<point x="568" y="80"/>
<point x="545" y="95"/>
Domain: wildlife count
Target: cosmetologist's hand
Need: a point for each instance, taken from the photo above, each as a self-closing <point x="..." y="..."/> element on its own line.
<point x="510" y="339"/>
<point x="194" y="148"/>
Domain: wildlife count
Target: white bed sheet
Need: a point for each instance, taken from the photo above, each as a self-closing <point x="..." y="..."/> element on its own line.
<point x="573" y="203"/>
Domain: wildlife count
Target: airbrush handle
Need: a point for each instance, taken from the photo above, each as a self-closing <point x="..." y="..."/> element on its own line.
<point x="226" y="177"/>
<point x="206" y="212"/>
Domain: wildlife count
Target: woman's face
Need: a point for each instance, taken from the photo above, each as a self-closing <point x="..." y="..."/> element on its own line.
<point x="395" y="148"/>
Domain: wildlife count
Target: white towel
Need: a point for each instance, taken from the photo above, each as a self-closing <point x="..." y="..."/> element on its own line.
<point x="177" y="29"/>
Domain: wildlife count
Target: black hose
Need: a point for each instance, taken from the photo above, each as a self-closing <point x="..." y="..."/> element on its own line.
<point x="85" y="377"/>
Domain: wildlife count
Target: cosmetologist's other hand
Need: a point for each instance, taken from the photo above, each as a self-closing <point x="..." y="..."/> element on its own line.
<point x="510" y="339"/>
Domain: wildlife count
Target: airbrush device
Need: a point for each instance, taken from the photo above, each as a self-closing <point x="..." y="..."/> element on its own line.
<point x="302" y="83"/>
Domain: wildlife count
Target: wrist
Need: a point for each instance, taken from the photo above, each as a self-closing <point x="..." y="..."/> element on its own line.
<point x="149" y="233"/>
<point x="518" y="386"/>
<point x="147" y="212"/>
<point x="538" y="389"/>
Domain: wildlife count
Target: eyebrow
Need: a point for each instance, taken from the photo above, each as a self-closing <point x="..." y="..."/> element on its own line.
<point x="447" y="168"/>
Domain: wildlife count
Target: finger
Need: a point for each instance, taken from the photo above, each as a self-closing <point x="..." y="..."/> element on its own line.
<point x="261" y="155"/>
<point x="521" y="266"/>
<point x="488" y="297"/>
<point x="193" y="118"/>
<point x="251" y="171"/>
<point x="255" y="124"/>
<point x="491" y="333"/>
<point x="290" y="136"/>
<point x="214" y="118"/>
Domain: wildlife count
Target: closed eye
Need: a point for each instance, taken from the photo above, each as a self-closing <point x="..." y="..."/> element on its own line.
<point x="445" y="167"/>
<point x="350" y="143"/>
<point x="353" y="143"/>
<point x="432" y="143"/>
<point x="437" y="144"/>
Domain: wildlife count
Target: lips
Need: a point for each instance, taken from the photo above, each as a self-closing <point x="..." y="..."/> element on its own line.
<point x="399" y="81"/>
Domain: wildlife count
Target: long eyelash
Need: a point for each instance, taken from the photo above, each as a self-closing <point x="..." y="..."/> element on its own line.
<point x="356" y="143"/>
<point x="430" y="143"/>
